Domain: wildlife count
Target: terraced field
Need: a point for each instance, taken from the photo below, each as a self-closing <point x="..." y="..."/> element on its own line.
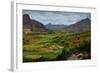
<point x="55" y="46"/>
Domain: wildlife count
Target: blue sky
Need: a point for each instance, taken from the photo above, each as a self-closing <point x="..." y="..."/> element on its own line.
<point x="54" y="17"/>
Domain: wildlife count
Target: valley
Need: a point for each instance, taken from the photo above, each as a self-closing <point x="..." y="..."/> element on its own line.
<point x="55" y="46"/>
<point x="56" y="42"/>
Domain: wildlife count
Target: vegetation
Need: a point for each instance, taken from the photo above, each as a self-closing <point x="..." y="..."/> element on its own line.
<point x="53" y="46"/>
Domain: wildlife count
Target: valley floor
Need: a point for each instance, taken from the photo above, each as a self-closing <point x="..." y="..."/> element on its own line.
<point x="56" y="46"/>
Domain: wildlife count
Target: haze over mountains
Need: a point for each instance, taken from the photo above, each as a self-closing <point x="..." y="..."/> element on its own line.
<point x="51" y="26"/>
<point x="31" y="25"/>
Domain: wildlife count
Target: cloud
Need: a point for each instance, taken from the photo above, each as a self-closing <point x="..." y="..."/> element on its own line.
<point x="54" y="17"/>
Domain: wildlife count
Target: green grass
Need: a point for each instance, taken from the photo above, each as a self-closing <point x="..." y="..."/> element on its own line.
<point x="53" y="46"/>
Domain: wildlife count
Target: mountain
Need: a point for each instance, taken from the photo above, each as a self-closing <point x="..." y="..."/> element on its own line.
<point x="81" y="26"/>
<point x="51" y="26"/>
<point x="26" y="23"/>
<point x="30" y="25"/>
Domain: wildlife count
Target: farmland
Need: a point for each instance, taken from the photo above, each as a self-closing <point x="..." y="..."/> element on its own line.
<point x="56" y="46"/>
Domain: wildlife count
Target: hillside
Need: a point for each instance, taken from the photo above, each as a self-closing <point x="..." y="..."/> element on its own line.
<point x="81" y="26"/>
<point x="30" y="25"/>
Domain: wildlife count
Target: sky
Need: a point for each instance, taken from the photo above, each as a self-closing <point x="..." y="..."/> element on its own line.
<point x="55" y="17"/>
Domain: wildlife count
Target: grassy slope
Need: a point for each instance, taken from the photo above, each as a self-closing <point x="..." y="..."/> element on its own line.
<point x="53" y="46"/>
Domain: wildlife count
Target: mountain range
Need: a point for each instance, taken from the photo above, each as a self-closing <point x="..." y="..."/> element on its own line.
<point x="31" y="25"/>
<point x="51" y="26"/>
<point x="81" y="26"/>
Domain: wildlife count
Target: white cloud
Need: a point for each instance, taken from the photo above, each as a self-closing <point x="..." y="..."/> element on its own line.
<point x="65" y="18"/>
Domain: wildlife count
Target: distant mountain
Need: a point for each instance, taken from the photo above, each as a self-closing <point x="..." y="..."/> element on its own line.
<point x="51" y="26"/>
<point x="30" y="25"/>
<point x="81" y="26"/>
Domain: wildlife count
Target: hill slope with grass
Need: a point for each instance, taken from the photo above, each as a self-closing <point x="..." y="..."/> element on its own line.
<point x="56" y="46"/>
<point x="81" y="26"/>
